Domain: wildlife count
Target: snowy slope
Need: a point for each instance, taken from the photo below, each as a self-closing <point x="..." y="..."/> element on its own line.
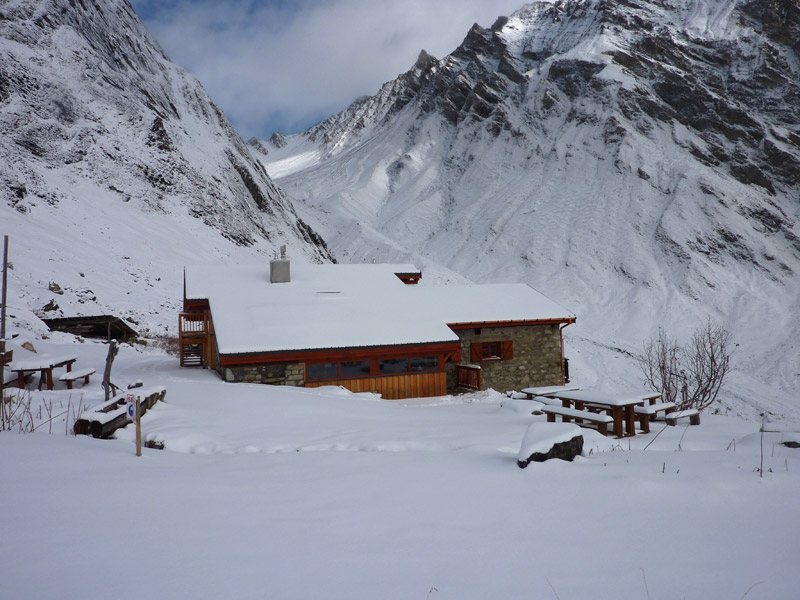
<point x="636" y="162"/>
<point x="276" y="492"/>
<point x="116" y="168"/>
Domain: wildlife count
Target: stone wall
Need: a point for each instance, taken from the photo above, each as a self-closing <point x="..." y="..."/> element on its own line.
<point x="536" y="362"/>
<point x="276" y="374"/>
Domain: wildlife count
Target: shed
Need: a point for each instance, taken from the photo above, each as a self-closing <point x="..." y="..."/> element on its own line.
<point x="105" y="327"/>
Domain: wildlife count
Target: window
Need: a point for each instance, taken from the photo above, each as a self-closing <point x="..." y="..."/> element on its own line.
<point x="491" y="350"/>
<point x="358" y="368"/>
<point x="424" y="363"/>
<point x="370" y="368"/>
<point x="322" y="371"/>
<point x="394" y="365"/>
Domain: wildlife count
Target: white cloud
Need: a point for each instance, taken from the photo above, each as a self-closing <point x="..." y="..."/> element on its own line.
<point x="283" y="66"/>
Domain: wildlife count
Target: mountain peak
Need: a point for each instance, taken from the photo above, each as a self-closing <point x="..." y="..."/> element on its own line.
<point x="424" y="62"/>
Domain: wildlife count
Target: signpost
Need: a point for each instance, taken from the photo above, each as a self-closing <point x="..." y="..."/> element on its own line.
<point x="131" y="407"/>
<point x="133" y="415"/>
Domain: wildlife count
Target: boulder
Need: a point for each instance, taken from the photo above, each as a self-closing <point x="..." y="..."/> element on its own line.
<point x="543" y="441"/>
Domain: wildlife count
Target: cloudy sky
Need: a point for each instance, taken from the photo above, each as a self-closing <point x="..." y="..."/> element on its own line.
<point x="284" y="65"/>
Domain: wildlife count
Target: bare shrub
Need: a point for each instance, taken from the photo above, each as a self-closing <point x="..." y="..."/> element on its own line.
<point x="660" y="363"/>
<point x="168" y="343"/>
<point x="690" y="375"/>
<point x="16" y="413"/>
<point x="709" y="359"/>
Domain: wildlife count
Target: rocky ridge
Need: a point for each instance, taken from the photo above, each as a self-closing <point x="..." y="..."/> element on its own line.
<point x="85" y="92"/>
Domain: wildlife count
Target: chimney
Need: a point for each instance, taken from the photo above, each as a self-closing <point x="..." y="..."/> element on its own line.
<point x="279" y="268"/>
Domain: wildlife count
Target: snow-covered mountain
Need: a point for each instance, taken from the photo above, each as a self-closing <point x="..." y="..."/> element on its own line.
<point x="116" y="168"/>
<point x="638" y="161"/>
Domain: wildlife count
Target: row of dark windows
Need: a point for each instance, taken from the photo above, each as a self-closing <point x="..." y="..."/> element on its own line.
<point x="367" y="368"/>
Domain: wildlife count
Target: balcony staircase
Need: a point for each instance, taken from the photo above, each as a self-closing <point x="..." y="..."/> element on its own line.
<point x="195" y="339"/>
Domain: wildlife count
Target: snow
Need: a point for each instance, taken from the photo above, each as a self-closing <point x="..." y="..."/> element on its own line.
<point x="615" y="399"/>
<point x="38" y="362"/>
<point x="541" y="437"/>
<point x="341" y="306"/>
<point x="549" y="390"/>
<point x="324" y="306"/>
<point x="270" y="492"/>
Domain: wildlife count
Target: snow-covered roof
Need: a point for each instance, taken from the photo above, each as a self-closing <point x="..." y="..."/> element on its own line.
<point x="348" y="306"/>
<point x="488" y="303"/>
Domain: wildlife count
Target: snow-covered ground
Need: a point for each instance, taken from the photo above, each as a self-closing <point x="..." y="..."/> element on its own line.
<point x="270" y="492"/>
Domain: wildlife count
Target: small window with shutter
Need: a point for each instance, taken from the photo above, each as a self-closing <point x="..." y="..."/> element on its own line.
<point x="492" y="350"/>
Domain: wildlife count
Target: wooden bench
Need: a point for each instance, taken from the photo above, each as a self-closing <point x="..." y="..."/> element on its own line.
<point x="692" y="413"/>
<point x="73" y="376"/>
<point x="548" y="401"/>
<point x="103" y="420"/>
<point x="567" y="414"/>
<point x="647" y="412"/>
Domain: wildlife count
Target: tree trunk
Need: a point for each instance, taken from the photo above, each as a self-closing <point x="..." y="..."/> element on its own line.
<point x="107" y="385"/>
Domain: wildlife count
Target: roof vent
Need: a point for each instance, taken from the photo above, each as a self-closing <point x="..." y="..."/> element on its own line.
<point x="279" y="271"/>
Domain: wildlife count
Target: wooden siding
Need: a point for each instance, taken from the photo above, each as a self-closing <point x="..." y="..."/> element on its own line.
<point x="394" y="387"/>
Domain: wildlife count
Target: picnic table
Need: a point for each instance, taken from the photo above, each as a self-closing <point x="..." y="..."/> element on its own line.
<point x="43" y="364"/>
<point x="621" y="406"/>
<point x="547" y="391"/>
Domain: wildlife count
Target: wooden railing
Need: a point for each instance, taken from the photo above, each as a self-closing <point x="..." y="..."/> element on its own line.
<point x="193" y="324"/>
<point x="469" y="376"/>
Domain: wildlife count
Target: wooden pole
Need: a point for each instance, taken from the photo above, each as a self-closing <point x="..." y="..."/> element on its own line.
<point x="3" y="321"/>
<point x="138" y="425"/>
<point x="112" y="352"/>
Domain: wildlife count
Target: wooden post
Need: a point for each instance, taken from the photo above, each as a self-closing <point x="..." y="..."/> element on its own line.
<point x="112" y="352"/>
<point x="138" y="425"/>
<point x="3" y="321"/>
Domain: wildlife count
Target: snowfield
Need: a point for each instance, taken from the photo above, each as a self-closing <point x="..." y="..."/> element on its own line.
<point x="271" y="492"/>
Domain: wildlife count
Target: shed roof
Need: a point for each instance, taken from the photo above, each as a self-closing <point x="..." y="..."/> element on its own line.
<point x="349" y="306"/>
<point x="98" y="326"/>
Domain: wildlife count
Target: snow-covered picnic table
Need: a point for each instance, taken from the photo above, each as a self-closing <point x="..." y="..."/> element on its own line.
<point x="44" y="364"/>
<point x="547" y="390"/>
<point x="621" y="406"/>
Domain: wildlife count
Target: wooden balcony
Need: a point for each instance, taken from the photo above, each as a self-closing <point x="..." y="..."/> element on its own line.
<point x="194" y="339"/>
<point x="193" y="324"/>
<point x="469" y="377"/>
